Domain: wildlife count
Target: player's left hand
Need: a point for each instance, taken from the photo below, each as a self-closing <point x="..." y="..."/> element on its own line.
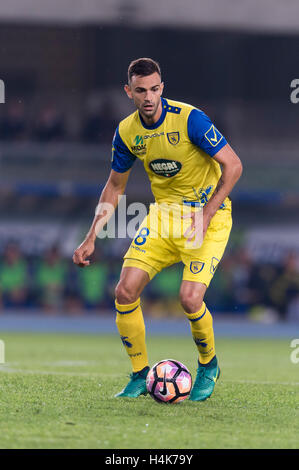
<point x="207" y="216"/>
<point x="200" y="221"/>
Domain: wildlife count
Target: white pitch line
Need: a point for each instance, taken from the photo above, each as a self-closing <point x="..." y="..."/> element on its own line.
<point x="53" y="372"/>
<point x="55" y="363"/>
<point x="44" y="372"/>
<point x="98" y="374"/>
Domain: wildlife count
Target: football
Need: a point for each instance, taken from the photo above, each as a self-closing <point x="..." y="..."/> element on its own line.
<point x="169" y="381"/>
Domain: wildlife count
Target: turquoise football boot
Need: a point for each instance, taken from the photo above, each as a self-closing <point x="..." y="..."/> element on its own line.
<point x="205" y="381"/>
<point x="136" y="385"/>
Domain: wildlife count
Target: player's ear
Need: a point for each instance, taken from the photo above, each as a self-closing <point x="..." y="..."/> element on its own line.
<point x="128" y="91"/>
<point x="162" y="88"/>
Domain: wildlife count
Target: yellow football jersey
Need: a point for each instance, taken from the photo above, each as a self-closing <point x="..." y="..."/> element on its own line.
<point x="177" y="153"/>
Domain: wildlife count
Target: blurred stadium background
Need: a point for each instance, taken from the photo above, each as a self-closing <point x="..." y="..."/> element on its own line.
<point x="64" y="65"/>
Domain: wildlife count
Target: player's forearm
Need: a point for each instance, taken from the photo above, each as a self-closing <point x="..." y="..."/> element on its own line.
<point x="228" y="179"/>
<point x="107" y="204"/>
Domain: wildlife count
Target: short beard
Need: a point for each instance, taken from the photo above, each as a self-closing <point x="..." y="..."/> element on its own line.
<point x="152" y="114"/>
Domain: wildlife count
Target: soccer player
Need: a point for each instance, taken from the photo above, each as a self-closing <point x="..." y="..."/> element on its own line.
<point x="182" y="151"/>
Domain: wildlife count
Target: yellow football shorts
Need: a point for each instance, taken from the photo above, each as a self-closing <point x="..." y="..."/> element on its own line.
<point x="160" y="242"/>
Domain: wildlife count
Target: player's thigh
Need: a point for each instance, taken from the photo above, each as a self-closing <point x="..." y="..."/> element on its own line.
<point x="150" y="250"/>
<point x="131" y="283"/>
<point x="201" y="263"/>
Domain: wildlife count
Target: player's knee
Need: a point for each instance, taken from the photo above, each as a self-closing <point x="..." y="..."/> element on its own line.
<point x="125" y="293"/>
<point x="191" y="301"/>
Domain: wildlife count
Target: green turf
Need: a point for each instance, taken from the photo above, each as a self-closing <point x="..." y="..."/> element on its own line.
<point x="57" y="391"/>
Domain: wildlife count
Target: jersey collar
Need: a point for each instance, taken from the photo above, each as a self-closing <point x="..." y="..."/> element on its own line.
<point x="161" y="118"/>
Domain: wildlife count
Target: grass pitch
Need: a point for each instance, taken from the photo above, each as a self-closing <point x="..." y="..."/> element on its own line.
<point x="57" y="391"/>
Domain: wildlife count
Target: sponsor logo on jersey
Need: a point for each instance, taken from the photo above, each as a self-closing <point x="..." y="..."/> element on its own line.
<point x="138" y="249"/>
<point x="138" y="140"/>
<point x="173" y="137"/>
<point x="139" y="147"/>
<point x="196" y="266"/>
<point x="150" y="136"/>
<point x="213" y="136"/>
<point x="164" y="167"/>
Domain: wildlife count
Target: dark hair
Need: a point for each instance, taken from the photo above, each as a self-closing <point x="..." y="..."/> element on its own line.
<point x="143" y="67"/>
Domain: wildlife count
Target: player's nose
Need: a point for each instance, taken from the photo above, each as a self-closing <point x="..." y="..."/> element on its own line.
<point x="148" y="96"/>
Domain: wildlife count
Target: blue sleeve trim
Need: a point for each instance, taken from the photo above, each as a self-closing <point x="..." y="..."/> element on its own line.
<point x="121" y="159"/>
<point x="203" y="133"/>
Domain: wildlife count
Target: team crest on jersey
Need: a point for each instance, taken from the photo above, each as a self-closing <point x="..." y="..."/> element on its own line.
<point x="173" y="137"/>
<point x="196" y="266"/>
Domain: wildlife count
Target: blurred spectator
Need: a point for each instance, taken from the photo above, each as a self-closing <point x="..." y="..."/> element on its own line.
<point x="92" y="283"/>
<point x="285" y="290"/>
<point x="100" y="125"/>
<point x="50" y="125"/>
<point x="50" y="277"/>
<point x="293" y="309"/>
<point x="260" y="282"/>
<point x="73" y="302"/>
<point x="115" y="265"/>
<point x="13" y="123"/>
<point x="265" y="291"/>
<point x="241" y="272"/>
<point x="13" y="278"/>
<point x="221" y="296"/>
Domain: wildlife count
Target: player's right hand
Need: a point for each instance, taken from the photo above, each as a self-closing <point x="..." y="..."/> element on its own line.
<point x="82" y="252"/>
